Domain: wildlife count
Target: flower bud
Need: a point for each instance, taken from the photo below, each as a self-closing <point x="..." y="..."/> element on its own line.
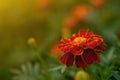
<point x="82" y="75"/>
<point x="32" y="42"/>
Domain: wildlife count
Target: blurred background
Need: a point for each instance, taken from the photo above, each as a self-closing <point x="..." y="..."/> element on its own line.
<point x="28" y="24"/>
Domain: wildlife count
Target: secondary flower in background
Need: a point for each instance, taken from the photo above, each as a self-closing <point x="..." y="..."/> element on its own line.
<point x="82" y="75"/>
<point x="80" y="12"/>
<point x="70" y="22"/>
<point x="55" y="51"/>
<point x="81" y="48"/>
<point x="42" y="4"/>
<point x="97" y="3"/>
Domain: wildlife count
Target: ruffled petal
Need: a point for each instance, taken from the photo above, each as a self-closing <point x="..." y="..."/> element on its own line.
<point x="64" y="58"/>
<point x="64" y="40"/>
<point x="64" y="48"/>
<point x="83" y="33"/>
<point x="70" y="60"/>
<point x="88" y="56"/>
<point x="80" y="63"/>
<point x="100" y="48"/>
<point x="89" y="35"/>
<point x="97" y="57"/>
<point x="93" y="43"/>
<point x="74" y="36"/>
<point x="78" y="52"/>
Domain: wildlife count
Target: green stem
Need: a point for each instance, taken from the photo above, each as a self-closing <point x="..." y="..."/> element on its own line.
<point x="42" y="63"/>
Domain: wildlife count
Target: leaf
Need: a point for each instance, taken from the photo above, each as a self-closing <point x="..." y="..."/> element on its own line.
<point x="116" y="76"/>
<point x="56" y="68"/>
<point x="63" y="69"/>
<point x="15" y="71"/>
<point x="110" y="54"/>
<point x="28" y="72"/>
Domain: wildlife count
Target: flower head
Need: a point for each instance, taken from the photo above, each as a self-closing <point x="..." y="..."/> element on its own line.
<point x="97" y="3"/>
<point x="70" y="22"/>
<point x="80" y="12"/>
<point x="42" y="4"/>
<point x="81" y="48"/>
<point x="55" y="51"/>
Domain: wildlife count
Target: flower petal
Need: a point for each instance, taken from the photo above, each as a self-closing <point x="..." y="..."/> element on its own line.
<point x="70" y="60"/>
<point x="88" y="56"/>
<point x="64" y="58"/>
<point x="100" y="48"/>
<point x="94" y="43"/>
<point x="83" y="33"/>
<point x="65" y="48"/>
<point x="64" y="40"/>
<point x="80" y="63"/>
<point x="89" y="35"/>
<point x="97" y="57"/>
<point x="74" y="36"/>
<point x="78" y="52"/>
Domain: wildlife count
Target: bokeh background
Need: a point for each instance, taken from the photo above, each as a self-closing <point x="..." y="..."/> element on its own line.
<point x="46" y="22"/>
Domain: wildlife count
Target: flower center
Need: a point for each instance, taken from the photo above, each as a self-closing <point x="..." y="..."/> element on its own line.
<point x="79" y="41"/>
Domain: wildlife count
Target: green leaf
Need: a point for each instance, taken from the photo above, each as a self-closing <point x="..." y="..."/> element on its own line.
<point x="116" y="76"/>
<point x="63" y="69"/>
<point x="110" y="54"/>
<point x="56" y="68"/>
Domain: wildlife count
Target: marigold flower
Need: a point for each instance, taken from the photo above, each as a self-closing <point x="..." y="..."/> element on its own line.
<point x="42" y="4"/>
<point x="55" y="51"/>
<point x="81" y="12"/>
<point x="70" y="22"/>
<point x="97" y="3"/>
<point x="81" y="48"/>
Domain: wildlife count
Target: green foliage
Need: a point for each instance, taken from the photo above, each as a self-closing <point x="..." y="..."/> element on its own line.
<point x="28" y="72"/>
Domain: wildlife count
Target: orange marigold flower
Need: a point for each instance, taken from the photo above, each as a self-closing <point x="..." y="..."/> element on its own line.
<point x="70" y="22"/>
<point x="97" y="3"/>
<point x="55" y="51"/>
<point x="42" y="4"/>
<point x="81" y="48"/>
<point x="81" y="12"/>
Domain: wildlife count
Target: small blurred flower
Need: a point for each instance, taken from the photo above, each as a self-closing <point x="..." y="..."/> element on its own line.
<point x="81" y="12"/>
<point x="70" y="22"/>
<point x="97" y="3"/>
<point x="32" y="42"/>
<point x="82" y="48"/>
<point x="82" y="75"/>
<point x="42" y="4"/>
<point x="55" y="51"/>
